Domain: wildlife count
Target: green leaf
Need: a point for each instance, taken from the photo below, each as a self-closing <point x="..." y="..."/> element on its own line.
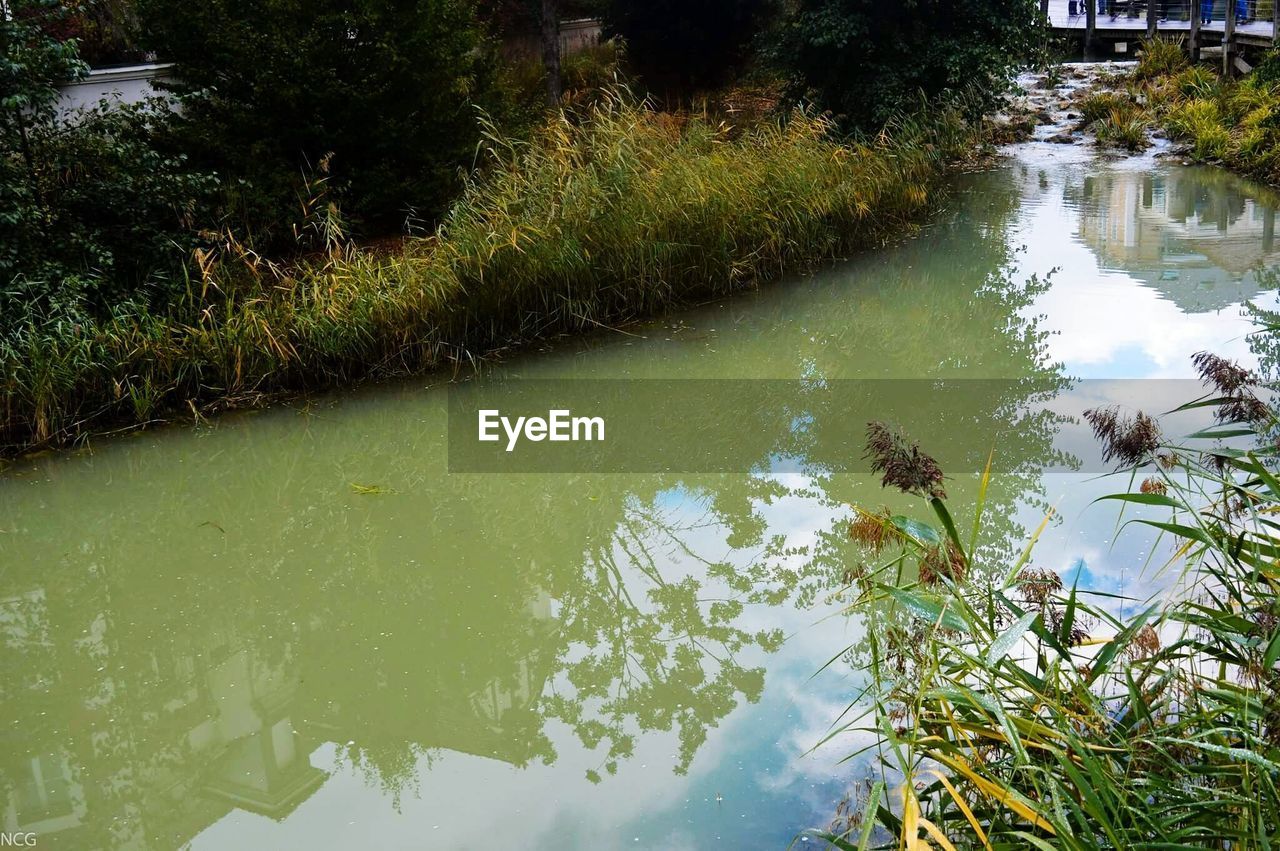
<point x="1273" y="651"/>
<point x="930" y="608"/>
<point x="1144" y="499"/>
<point x="1006" y="640"/>
<point x="1189" y="532"/>
<point x="1237" y="754"/>
<point x="1032" y="839"/>
<point x="983" y="484"/>
<point x="940" y="508"/>
<point x="869" y="819"/>
<point x="1218" y="432"/>
<point x="921" y="532"/>
<point x="1122" y="639"/>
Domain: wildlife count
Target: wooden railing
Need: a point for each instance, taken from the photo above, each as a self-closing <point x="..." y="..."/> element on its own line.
<point x="1204" y="23"/>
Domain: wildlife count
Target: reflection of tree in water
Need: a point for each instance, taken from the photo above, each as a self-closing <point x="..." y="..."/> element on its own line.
<point x="1264" y="343"/>
<point x="206" y="625"/>
<point x="648" y="654"/>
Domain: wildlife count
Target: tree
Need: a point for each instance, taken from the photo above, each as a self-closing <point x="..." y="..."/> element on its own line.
<point x="550" y="32"/>
<point x="683" y="46"/>
<point x="866" y="60"/>
<point x="33" y="64"/>
<point x="91" y="212"/>
<point x="381" y="91"/>
<point x="515" y="18"/>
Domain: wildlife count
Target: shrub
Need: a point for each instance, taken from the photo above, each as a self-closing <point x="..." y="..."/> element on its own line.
<point x="595" y="68"/>
<point x="1254" y="143"/>
<point x="1190" y="118"/>
<point x="585" y="76"/>
<point x="1211" y="143"/>
<point x="1247" y="96"/>
<point x="1125" y="127"/>
<point x="101" y="216"/>
<point x="1196" y="82"/>
<point x="33" y="64"/>
<point x="685" y="46"/>
<point x="865" y="59"/>
<point x="1268" y="70"/>
<point x="92" y="212"/>
<point x="106" y="31"/>
<point x="1099" y="105"/>
<point x="383" y="91"/>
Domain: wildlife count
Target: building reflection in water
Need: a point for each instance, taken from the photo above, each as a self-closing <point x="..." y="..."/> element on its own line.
<point x="1204" y="238"/>
<point x="226" y="725"/>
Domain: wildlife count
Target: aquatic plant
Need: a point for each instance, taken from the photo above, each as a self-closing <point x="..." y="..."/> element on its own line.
<point x="1124" y="126"/>
<point x="1098" y="105"/>
<point x="1160" y="58"/>
<point x="1196" y="81"/>
<point x="1011" y="708"/>
<point x="606" y="215"/>
<point x="1223" y="121"/>
<point x="901" y="463"/>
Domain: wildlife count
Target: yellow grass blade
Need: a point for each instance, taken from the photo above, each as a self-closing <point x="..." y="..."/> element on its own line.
<point x="937" y="834"/>
<point x="964" y="808"/>
<point x="910" y="816"/>
<point x="1005" y="797"/>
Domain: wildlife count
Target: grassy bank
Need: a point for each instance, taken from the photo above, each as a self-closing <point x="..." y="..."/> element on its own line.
<point x="1232" y="123"/>
<point x="1014" y="710"/>
<point x="618" y="213"/>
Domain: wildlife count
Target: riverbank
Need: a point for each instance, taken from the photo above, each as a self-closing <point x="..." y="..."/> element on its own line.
<point x="594" y="222"/>
<point x="1161" y="100"/>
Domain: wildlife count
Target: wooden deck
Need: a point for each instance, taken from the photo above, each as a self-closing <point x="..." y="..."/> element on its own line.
<point x="1131" y="19"/>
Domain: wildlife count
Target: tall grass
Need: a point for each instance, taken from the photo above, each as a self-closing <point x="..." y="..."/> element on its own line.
<point x="614" y="214"/>
<point x="1222" y="121"/>
<point x="1013" y="711"/>
<point x="1115" y="119"/>
<point x="1160" y="58"/>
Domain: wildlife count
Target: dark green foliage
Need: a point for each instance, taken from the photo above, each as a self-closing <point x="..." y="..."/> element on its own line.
<point x="91" y="213"/>
<point x="101" y="217"/>
<point x="685" y="46"/>
<point x="381" y="90"/>
<point x="865" y="59"/>
<point x="511" y="17"/>
<point x="32" y="64"/>
<point x="106" y="31"/>
<point x="1268" y="70"/>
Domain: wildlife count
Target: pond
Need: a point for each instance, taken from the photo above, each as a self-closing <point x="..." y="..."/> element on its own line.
<point x="297" y="629"/>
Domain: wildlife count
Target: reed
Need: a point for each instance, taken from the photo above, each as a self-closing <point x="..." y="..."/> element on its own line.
<point x="1013" y="711"/>
<point x="613" y="213"/>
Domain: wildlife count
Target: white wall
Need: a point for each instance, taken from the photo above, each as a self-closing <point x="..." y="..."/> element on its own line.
<point x="129" y="84"/>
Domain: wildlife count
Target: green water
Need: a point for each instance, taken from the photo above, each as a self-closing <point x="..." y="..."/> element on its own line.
<point x="212" y="639"/>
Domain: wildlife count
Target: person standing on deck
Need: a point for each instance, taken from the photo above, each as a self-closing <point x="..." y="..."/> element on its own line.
<point x="1206" y="11"/>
